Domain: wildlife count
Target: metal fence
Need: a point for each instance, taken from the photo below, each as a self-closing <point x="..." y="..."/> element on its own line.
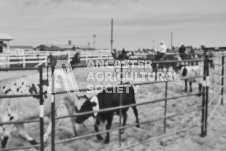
<point x="203" y="109"/>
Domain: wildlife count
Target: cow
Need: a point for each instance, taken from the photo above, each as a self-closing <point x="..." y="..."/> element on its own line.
<point x="104" y="100"/>
<point x="189" y="71"/>
<point x="192" y="72"/>
<point x="19" y="109"/>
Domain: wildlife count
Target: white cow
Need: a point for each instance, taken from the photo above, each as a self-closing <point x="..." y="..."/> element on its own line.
<point x="192" y="72"/>
<point x="27" y="108"/>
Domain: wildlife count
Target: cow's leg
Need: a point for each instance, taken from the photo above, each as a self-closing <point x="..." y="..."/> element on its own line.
<point x="124" y="121"/>
<point x="70" y="109"/>
<point x="97" y="123"/>
<point x="200" y="89"/>
<point x="24" y="134"/>
<point x="108" y="126"/>
<point x="136" y="115"/>
<point x="190" y="83"/>
<point x="186" y="83"/>
<point x="6" y="131"/>
<point x="48" y="131"/>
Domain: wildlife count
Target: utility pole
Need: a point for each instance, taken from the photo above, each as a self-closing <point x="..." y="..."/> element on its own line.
<point x="153" y="45"/>
<point x="171" y="40"/>
<point x="112" y="35"/>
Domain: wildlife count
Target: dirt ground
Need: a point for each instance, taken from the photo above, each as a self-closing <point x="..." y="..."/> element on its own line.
<point x="183" y="141"/>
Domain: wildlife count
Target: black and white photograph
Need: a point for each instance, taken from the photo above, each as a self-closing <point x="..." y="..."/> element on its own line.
<point x="112" y="75"/>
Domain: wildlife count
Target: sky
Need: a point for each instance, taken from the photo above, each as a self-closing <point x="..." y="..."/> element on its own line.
<point x="137" y="23"/>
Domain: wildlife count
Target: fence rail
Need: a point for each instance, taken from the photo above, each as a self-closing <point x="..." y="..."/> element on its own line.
<point x="40" y="58"/>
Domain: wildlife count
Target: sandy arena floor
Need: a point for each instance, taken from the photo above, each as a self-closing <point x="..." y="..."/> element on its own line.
<point x="184" y="141"/>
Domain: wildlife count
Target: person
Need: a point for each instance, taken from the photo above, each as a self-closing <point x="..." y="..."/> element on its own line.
<point x="182" y="50"/>
<point x="1" y="47"/>
<point x="124" y="54"/>
<point x="123" y="51"/>
<point x="161" y="51"/>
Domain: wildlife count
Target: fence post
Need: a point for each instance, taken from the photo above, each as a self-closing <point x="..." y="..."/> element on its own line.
<point x="138" y="66"/>
<point x="144" y="65"/>
<point x="166" y="94"/>
<point x="41" y="109"/>
<point x="156" y="71"/>
<point x="203" y="98"/>
<point x="207" y="90"/>
<point x="69" y="59"/>
<point x="222" y="81"/>
<point x="24" y="62"/>
<point x="120" y="111"/>
<point x="86" y="58"/>
<point x="130" y="66"/>
<point x="8" y="62"/>
<point x="46" y="61"/>
<point x="53" y="109"/>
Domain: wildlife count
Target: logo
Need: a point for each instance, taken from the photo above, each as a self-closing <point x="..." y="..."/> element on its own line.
<point x="64" y="77"/>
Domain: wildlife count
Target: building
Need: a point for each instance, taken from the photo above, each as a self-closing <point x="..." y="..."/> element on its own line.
<point x="50" y="47"/>
<point x="4" y="42"/>
<point x="20" y="47"/>
<point x="84" y="47"/>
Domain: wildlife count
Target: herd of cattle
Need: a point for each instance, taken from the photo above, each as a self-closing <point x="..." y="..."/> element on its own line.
<point x="27" y="108"/>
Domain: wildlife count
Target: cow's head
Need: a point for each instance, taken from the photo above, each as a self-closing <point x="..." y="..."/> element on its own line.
<point x="87" y="106"/>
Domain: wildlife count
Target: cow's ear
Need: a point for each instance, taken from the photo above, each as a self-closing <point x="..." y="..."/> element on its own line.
<point x="85" y="96"/>
<point x="78" y="97"/>
<point x="93" y="103"/>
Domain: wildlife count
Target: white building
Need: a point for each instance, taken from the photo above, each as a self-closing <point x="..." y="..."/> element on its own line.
<point x="4" y="42"/>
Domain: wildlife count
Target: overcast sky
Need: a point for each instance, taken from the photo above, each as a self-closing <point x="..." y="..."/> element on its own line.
<point x="136" y="22"/>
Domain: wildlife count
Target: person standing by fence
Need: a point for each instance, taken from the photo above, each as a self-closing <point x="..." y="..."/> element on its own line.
<point x="161" y="51"/>
<point x="182" y="50"/>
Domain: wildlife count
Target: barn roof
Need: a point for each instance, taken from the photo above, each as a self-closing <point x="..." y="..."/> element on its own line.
<point x="20" y="47"/>
<point x="53" y="47"/>
<point x="5" y="37"/>
<point x="64" y="47"/>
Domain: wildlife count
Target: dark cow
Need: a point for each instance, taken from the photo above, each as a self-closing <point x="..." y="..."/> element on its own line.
<point x="105" y="100"/>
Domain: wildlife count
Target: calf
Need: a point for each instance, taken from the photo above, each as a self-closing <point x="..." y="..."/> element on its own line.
<point x="105" y="100"/>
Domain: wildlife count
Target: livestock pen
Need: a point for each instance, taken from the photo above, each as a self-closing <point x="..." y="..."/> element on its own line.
<point x="203" y="109"/>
